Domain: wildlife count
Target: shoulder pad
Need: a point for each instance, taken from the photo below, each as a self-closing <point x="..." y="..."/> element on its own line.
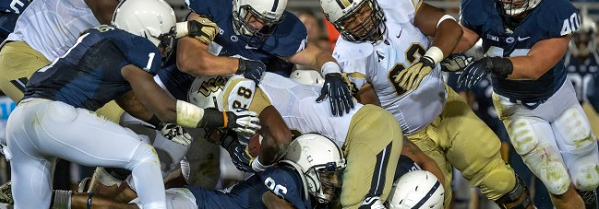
<point x="288" y="39"/>
<point x="238" y="93"/>
<point x="557" y="17"/>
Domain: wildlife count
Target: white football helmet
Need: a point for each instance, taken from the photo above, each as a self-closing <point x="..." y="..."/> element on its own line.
<point x="307" y="77"/>
<point x="338" y="11"/>
<point x="146" y="18"/>
<point x="317" y="156"/>
<point x="268" y="12"/>
<point x="583" y="41"/>
<point x="517" y="7"/>
<point x="417" y="189"/>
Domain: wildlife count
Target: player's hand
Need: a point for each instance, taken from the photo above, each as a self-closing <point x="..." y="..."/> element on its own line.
<point x="473" y="73"/>
<point x="241" y="158"/>
<point x="251" y="69"/>
<point x="337" y="89"/>
<point x="202" y="29"/>
<point x="410" y="78"/>
<point x="176" y="134"/>
<point x="456" y="62"/>
<point x="243" y="121"/>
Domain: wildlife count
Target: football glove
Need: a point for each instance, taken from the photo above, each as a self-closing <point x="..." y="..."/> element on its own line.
<point x="202" y="29"/>
<point x="473" y="73"/>
<point x="242" y="159"/>
<point x="337" y="89"/>
<point x="251" y="69"/>
<point x="456" y="62"/>
<point x="175" y="133"/>
<point x="243" y="121"/>
<point x="410" y="78"/>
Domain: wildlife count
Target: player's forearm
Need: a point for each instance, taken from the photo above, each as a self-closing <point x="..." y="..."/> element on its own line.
<point x="194" y="59"/>
<point x="447" y="37"/>
<point x="277" y="136"/>
<point x="102" y="9"/>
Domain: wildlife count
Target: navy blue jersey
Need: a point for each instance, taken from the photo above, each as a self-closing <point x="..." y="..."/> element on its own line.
<point x="405" y="165"/>
<point x="284" y="181"/>
<point x="550" y="19"/>
<point x="583" y="74"/>
<point x="89" y="74"/>
<point x="13" y="6"/>
<point x="288" y="38"/>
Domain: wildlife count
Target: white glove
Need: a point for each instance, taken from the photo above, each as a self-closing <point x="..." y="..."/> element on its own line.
<point x="176" y="134"/>
<point x="243" y="121"/>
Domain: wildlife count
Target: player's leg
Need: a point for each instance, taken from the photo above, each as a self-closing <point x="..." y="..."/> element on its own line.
<point x="18" y="61"/>
<point x="473" y="148"/>
<point x="31" y="173"/>
<point x="578" y="147"/>
<point x="103" y="144"/>
<point x="373" y="147"/>
<point x="430" y="145"/>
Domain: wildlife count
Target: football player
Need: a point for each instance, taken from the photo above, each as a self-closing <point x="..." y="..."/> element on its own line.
<point x="386" y="52"/>
<point x="539" y="109"/>
<point x="254" y="30"/>
<point x="285" y="105"/>
<point x="582" y="63"/>
<point x="295" y="182"/>
<point x="105" y="63"/>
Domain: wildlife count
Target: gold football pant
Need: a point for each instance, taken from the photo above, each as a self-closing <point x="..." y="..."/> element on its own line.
<point x="460" y="139"/>
<point x="18" y="61"/>
<point x="372" y="148"/>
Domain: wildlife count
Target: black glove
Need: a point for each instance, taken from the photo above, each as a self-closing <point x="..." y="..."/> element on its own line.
<point x="500" y="66"/>
<point x="251" y="69"/>
<point x="240" y="156"/>
<point x="337" y="89"/>
<point x="456" y="62"/>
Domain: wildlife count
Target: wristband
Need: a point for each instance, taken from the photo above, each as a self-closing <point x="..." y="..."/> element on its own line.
<point x="182" y="29"/>
<point x="444" y="17"/>
<point x="188" y="115"/>
<point x="435" y="54"/>
<point x="258" y="167"/>
<point x="330" y="67"/>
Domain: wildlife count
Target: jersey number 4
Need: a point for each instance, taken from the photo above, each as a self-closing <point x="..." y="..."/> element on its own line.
<point x="414" y="51"/>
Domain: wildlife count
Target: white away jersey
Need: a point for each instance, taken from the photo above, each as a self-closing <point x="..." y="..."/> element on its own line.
<point x="378" y="63"/>
<point x="295" y="102"/>
<point x="52" y="26"/>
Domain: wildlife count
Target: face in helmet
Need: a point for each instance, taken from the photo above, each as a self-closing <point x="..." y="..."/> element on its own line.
<point x="358" y="21"/>
<point x="257" y="19"/>
<point x="152" y="19"/>
<point x="583" y="41"/>
<point x="518" y="8"/>
<point x="321" y="162"/>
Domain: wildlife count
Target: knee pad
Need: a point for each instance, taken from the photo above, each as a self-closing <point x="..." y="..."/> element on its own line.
<point x="543" y="159"/>
<point x="586" y="178"/>
<point x="144" y="152"/>
<point x="575" y="129"/>
<point x="497" y="179"/>
<point x="517" y="198"/>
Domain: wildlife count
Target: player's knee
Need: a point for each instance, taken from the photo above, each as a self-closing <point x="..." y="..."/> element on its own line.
<point x="498" y="179"/>
<point x="144" y="153"/>
<point x="587" y="177"/>
<point x="574" y="127"/>
<point x="522" y="136"/>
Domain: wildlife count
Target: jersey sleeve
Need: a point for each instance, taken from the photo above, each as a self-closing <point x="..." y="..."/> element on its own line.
<point x="143" y="54"/>
<point x="285" y="183"/>
<point x="13" y="6"/>
<point x="238" y="93"/>
<point x="558" y="18"/>
<point x="289" y="38"/>
<point x="472" y="16"/>
<point x="208" y="8"/>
